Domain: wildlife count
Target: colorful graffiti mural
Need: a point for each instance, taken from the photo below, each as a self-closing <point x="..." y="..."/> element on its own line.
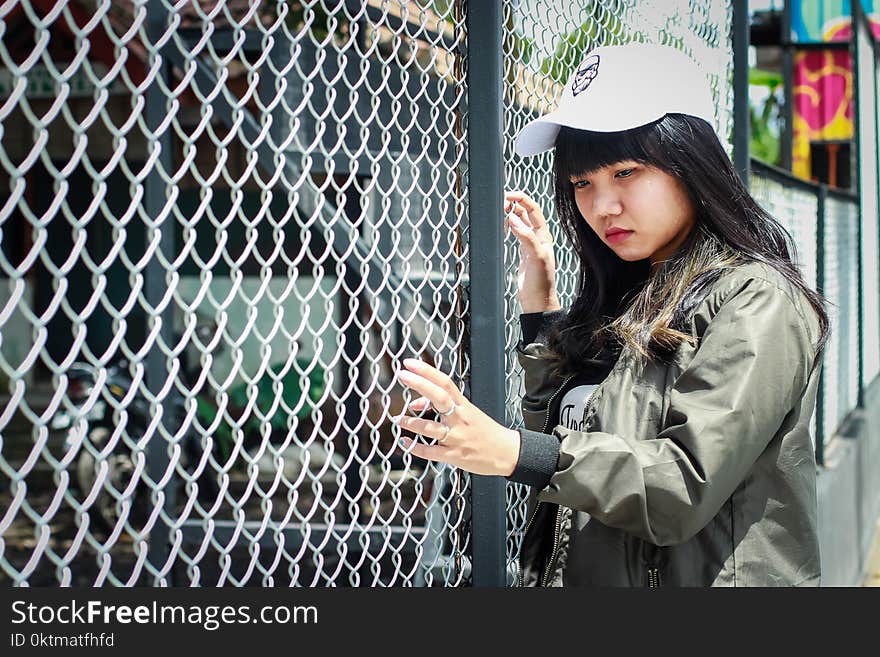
<point x="822" y="83"/>
<point x="822" y="91"/>
<point x="821" y="21"/>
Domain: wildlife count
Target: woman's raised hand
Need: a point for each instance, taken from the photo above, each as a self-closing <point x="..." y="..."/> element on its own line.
<point x="536" y="276"/>
<point x="465" y="436"/>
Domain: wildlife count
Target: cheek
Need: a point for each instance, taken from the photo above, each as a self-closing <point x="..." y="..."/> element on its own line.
<point x="667" y="209"/>
<point x="671" y="195"/>
<point x="683" y="210"/>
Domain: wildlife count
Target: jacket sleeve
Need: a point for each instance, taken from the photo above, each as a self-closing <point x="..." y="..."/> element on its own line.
<point x="539" y="452"/>
<point x="531" y="352"/>
<point x="752" y="364"/>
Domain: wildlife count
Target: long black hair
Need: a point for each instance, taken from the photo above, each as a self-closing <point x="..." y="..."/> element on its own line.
<point x="620" y="302"/>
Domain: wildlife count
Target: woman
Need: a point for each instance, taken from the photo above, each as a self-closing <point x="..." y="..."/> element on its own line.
<point x="666" y="417"/>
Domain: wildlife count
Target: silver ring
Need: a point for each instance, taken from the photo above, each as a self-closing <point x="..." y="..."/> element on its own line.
<point x="447" y="413"/>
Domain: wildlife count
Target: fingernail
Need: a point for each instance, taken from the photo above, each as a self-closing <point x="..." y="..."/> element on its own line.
<point x="403" y="442"/>
<point x="412" y="362"/>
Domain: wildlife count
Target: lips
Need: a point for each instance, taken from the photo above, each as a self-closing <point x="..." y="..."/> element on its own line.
<point x="617" y="235"/>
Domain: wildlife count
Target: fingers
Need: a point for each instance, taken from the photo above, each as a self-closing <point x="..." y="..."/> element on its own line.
<point x="418" y="405"/>
<point x="426" y="428"/>
<point x="536" y="216"/>
<point x="520" y="213"/>
<point x="432" y="383"/>
<point x="521" y="197"/>
<point x="530" y="238"/>
<point x="423" y="451"/>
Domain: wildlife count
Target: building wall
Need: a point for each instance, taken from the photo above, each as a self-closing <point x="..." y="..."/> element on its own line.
<point x="849" y="494"/>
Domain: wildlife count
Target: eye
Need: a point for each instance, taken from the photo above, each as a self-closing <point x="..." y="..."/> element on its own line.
<point x="625" y="173"/>
<point x="580" y="184"/>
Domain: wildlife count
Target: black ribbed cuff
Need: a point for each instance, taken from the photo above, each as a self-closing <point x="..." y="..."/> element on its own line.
<point x="530" y="324"/>
<point x="538" y="456"/>
<point x="535" y="325"/>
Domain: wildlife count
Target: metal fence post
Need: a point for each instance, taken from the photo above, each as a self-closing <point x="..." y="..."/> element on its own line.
<point x="741" y="128"/>
<point x="485" y="192"/>
<point x="785" y="142"/>
<point x="155" y="286"/>
<point x="856" y="160"/>
<point x="820" y="286"/>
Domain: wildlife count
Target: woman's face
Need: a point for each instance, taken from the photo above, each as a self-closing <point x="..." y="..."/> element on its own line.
<point x="650" y="204"/>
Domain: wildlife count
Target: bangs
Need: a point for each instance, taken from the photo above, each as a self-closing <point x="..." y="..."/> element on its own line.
<point x="581" y="152"/>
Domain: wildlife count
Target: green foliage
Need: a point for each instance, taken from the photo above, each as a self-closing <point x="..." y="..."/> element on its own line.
<point x="314" y="18"/>
<point x="764" y="145"/>
<point x="764" y="121"/>
<point x="443" y="8"/>
<point x="574" y="46"/>
<point x="516" y="46"/>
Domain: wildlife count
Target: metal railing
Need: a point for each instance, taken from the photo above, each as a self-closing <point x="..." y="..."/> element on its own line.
<point x="836" y="235"/>
<point x="824" y="226"/>
<point x="866" y="60"/>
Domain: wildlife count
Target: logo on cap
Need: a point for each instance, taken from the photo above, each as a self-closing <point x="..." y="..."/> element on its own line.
<point x="585" y="74"/>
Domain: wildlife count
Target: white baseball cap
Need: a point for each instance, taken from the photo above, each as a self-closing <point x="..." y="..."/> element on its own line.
<point x="621" y="87"/>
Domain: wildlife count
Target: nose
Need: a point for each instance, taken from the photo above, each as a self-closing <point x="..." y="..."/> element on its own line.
<point x="606" y="203"/>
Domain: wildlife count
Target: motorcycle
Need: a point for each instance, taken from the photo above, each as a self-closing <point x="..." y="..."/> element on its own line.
<point x="91" y="428"/>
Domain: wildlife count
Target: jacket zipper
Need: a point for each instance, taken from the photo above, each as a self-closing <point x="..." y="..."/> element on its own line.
<point x="537" y="506"/>
<point x="549" y="569"/>
<point x="653" y="571"/>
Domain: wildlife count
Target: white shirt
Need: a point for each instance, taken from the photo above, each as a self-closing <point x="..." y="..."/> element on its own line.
<point x="572" y="410"/>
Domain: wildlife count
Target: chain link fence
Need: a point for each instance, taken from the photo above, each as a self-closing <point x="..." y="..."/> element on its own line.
<point x="796" y="208"/>
<point x="822" y="221"/>
<point x="841" y="286"/>
<point x="867" y="111"/>
<point x="223" y="224"/>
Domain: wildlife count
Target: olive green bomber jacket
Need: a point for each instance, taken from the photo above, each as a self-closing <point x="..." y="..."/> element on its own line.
<point x="696" y="472"/>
